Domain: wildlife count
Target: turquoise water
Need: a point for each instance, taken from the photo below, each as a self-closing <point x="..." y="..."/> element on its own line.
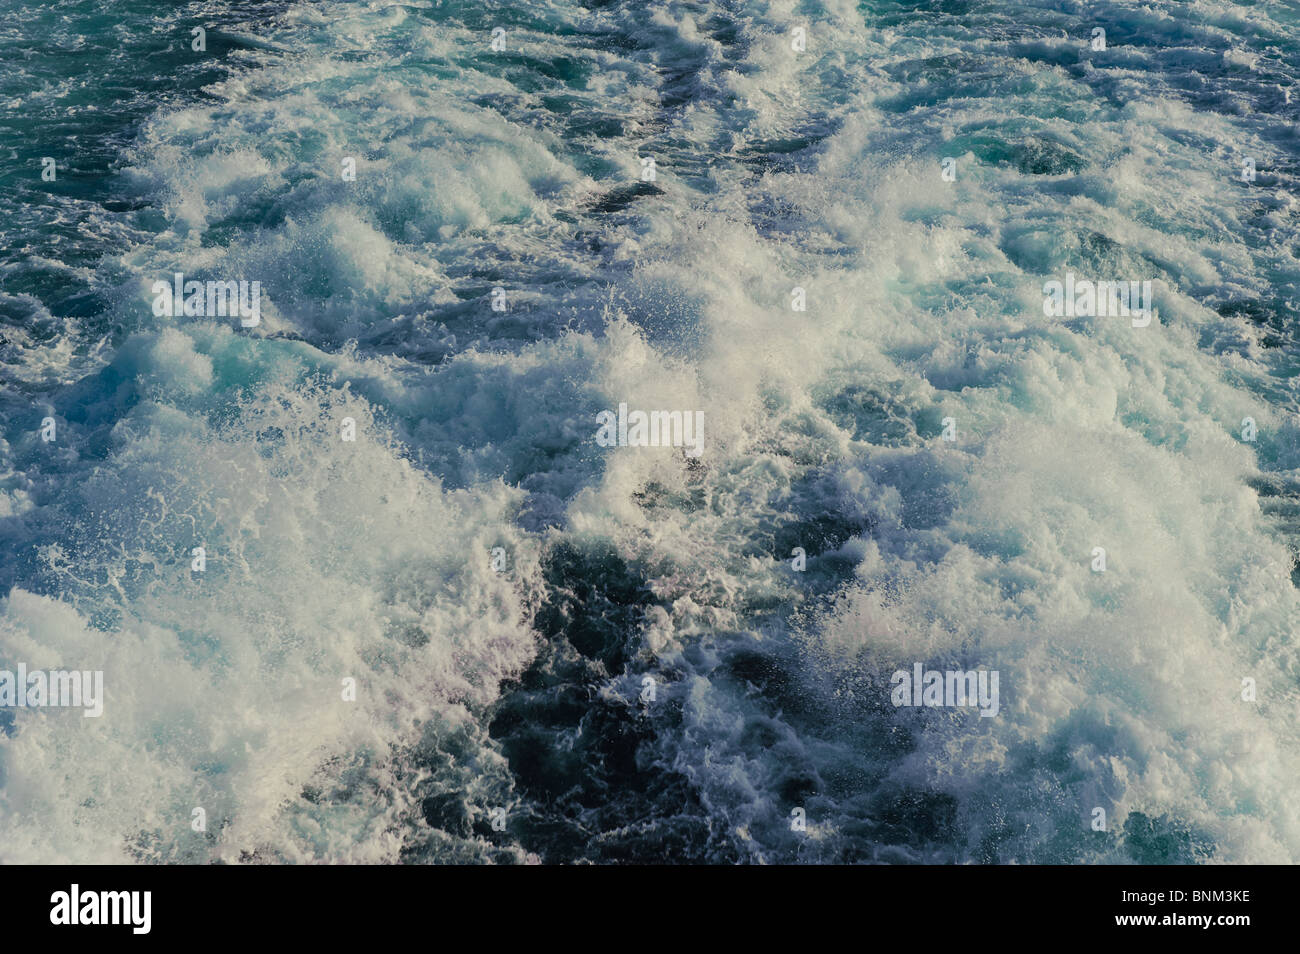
<point x="521" y="169"/>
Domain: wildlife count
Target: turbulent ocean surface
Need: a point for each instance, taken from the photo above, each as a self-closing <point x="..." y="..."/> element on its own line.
<point x="520" y="694"/>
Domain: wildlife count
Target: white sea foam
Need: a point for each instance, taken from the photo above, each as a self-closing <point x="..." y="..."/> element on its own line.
<point x="330" y="559"/>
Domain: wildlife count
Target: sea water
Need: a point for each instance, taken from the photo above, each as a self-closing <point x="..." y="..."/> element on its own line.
<point x="362" y="582"/>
